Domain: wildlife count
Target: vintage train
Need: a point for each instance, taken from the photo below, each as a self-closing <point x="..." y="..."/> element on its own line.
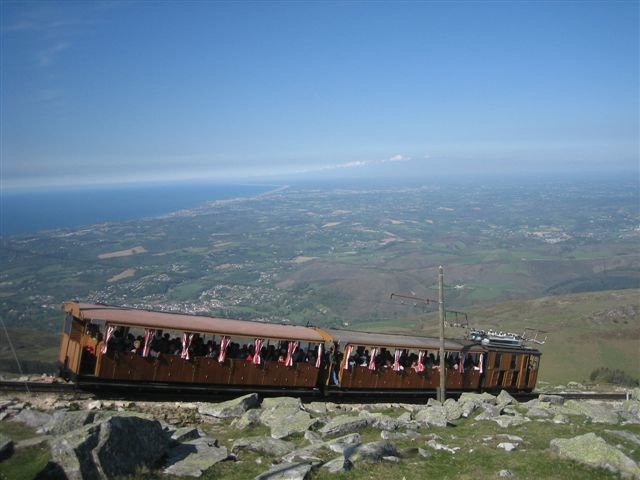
<point x="111" y="345"/>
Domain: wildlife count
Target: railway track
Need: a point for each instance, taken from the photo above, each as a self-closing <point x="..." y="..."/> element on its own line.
<point x="174" y="393"/>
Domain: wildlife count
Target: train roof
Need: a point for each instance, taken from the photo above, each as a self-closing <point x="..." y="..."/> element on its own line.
<point x="130" y="317"/>
<point x="401" y="341"/>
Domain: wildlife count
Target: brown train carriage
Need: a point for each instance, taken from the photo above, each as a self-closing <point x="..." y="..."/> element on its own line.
<point x="83" y="357"/>
<point x="363" y="377"/>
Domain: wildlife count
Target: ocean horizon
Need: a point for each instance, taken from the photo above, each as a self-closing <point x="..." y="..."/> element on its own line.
<point x="30" y="212"/>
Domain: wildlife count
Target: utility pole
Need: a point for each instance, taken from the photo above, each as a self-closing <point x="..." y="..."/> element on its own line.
<point x="441" y="390"/>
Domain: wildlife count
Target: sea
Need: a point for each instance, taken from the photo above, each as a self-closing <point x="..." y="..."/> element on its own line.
<point x="30" y="212"/>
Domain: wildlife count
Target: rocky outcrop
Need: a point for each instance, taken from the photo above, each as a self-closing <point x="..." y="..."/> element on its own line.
<point x="432" y="416"/>
<point x="593" y="451"/>
<point x="113" y="447"/>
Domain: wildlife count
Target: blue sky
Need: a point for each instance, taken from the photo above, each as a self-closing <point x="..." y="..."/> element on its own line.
<point x="102" y="92"/>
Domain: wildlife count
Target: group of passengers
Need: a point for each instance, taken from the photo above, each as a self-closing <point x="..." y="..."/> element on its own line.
<point x="385" y="359"/>
<point x="164" y="344"/>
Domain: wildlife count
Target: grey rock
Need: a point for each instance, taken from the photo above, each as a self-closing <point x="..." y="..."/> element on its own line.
<point x="553" y="399"/>
<point x="32" y="418"/>
<point x="434" y="416"/>
<point x="338" y="465"/>
<point x="477" y="397"/>
<point x="38" y="441"/>
<point x="319" y="408"/>
<point x="438" y="446"/>
<point x="537" y="413"/>
<point x="343" y="424"/>
<point x="287" y="421"/>
<point x="231" y="408"/>
<point x="264" y="445"/>
<point x="341" y="444"/>
<point x="385" y="422"/>
<point x="506" y="473"/>
<point x="194" y="457"/>
<point x="591" y="450"/>
<point x="63" y="421"/>
<point x="184" y="434"/>
<point x="508" y="446"/>
<point x="94" y="405"/>
<point x="116" y="446"/>
<point x="453" y="409"/>
<point x="287" y="471"/>
<point x="372" y="452"/>
<point x="6" y="447"/>
<point x="386" y="435"/>
<point x="312" y="437"/>
<point x="391" y="459"/>
<point x="247" y="419"/>
<point x="281" y="402"/>
<point x="635" y="394"/>
<point x="424" y="453"/>
<point x="489" y="412"/>
<point x="624" y="435"/>
<point x="560" y="419"/>
<point x="596" y="412"/>
<point x="506" y="421"/>
<point x="505" y="399"/>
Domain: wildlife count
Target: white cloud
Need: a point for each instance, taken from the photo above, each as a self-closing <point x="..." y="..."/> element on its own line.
<point x="47" y="56"/>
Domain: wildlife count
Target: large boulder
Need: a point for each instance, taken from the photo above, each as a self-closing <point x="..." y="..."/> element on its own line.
<point x="591" y="450"/>
<point x="231" y="408"/>
<point x="113" y="447"/>
<point x="264" y="445"/>
<point x="343" y="424"/>
<point x="286" y="420"/>
<point x="193" y="457"/>
<point x="553" y="399"/>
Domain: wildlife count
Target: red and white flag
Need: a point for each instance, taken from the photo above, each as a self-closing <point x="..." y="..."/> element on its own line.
<point x="224" y="343"/>
<point x="148" y="336"/>
<point x="372" y="360"/>
<point x="420" y="366"/>
<point x="319" y="359"/>
<point x="396" y="361"/>
<point x="347" y="355"/>
<point x="107" y="337"/>
<point x="187" y="338"/>
<point x="257" y="346"/>
<point x="291" y="348"/>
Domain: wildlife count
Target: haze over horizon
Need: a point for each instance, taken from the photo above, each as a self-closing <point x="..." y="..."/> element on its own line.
<point x="115" y="92"/>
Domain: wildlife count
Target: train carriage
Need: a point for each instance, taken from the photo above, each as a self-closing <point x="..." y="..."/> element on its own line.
<point x="312" y="360"/>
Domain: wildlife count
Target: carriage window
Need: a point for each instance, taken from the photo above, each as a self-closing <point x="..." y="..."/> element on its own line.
<point x="513" y="362"/>
<point x="496" y="363"/>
